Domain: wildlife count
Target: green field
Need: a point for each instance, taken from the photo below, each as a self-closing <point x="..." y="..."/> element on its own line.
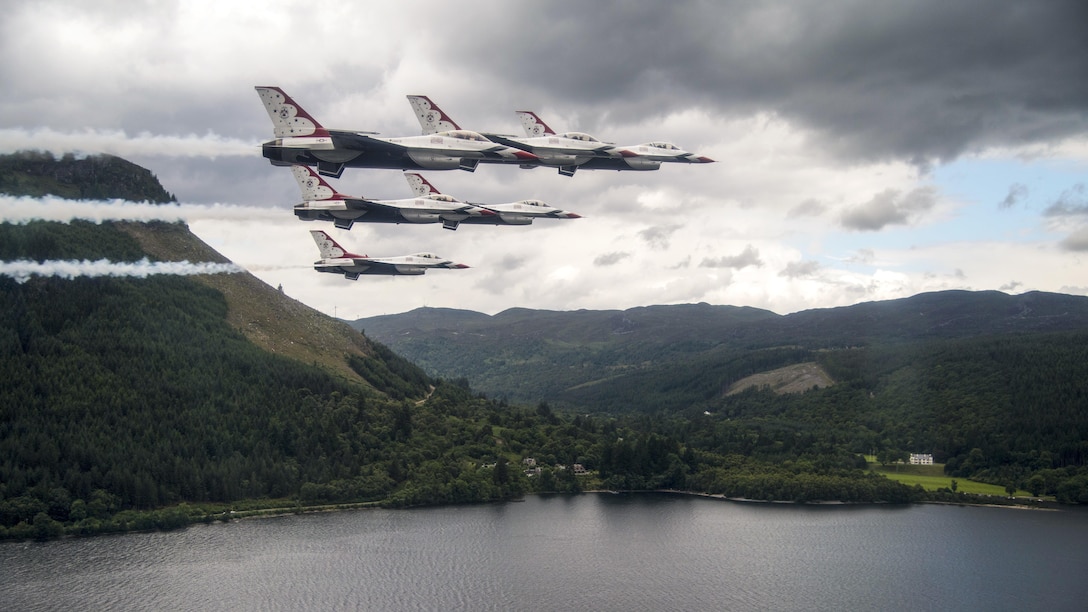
<point x="932" y="477"/>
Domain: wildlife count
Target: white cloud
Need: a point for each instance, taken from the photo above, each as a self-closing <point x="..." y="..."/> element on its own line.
<point x="805" y="155"/>
<point x="117" y="142"/>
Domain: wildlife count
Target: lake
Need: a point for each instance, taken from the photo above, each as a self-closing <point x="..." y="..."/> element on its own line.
<point x="580" y="552"/>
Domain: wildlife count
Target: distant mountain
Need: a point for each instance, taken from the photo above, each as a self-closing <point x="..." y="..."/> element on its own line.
<point x="534" y="355"/>
<point x="994" y="386"/>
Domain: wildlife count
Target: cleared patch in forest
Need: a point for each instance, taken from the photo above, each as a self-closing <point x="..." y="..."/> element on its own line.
<point x="790" y="379"/>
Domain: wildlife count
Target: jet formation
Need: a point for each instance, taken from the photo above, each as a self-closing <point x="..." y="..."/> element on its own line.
<point x="321" y="202"/>
<point x="302" y="143"/>
<point x="443" y="145"/>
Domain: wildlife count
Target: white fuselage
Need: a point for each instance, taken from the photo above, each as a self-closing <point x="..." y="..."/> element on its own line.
<point x="353" y="267"/>
<point x="434" y="208"/>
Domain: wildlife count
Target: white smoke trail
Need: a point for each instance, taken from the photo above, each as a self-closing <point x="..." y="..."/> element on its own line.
<point x="21" y="270"/>
<point x="119" y="143"/>
<point x="22" y="210"/>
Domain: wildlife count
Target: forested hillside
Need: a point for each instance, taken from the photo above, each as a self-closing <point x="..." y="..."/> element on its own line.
<point x="576" y="359"/>
<point x="134" y="403"/>
<point x="120" y="395"/>
<point x="93" y="177"/>
<point x="993" y="385"/>
<point x="529" y="355"/>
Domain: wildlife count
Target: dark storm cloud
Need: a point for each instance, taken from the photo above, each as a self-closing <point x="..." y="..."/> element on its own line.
<point x="748" y="257"/>
<point x="1017" y="193"/>
<point x="889" y="207"/>
<point x="923" y="80"/>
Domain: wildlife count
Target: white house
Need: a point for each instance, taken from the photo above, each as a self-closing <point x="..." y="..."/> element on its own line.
<point x="921" y="459"/>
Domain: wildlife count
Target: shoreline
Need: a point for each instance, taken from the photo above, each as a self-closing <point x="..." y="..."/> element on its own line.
<point x="228" y="516"/>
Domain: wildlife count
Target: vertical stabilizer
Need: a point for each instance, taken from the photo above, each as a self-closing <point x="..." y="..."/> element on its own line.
<point x="329" y="248"/>
<point x="312" y="186"/>
<point x="420" y="186"/>
<point x="289" y="120"/>
<point x="534" y="125"/>
<point x="431" y="118"/>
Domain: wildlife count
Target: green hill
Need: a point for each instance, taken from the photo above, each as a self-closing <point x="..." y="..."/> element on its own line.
<point x="993" y="385"/>
<point x="93" y="177"/>
<point x="587" y="360"/>
<point x="123" y="397"/>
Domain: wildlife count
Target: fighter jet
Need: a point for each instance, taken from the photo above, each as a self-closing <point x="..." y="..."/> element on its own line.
<point x="300" y="139"/>
<point x="323" y="203"/>
<point x="573" y="150"/>
<point x="565" y="151"/>
<point x="521" y="212"/>
<point x="336" y="260"/>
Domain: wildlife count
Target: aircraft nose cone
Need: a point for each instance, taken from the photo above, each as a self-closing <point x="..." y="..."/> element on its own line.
<point x="570" y="215"/>
<point x="525" y="155"/>
<point x="628" y="153"/>
<point x="702" y="159"/>
<point x="459" y="266"/>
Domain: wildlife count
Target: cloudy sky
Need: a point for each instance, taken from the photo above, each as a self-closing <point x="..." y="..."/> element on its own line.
<point x="866" y="150"/>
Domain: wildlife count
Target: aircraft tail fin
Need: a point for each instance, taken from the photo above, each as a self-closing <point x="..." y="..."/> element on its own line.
<point x="534" y="125"/>
<point x="289" y="120"/>
<point x="431" y="118"/>
<point x="420" y="186"/>
<point x="312" y="186"/>
<point x="329" y="247"/>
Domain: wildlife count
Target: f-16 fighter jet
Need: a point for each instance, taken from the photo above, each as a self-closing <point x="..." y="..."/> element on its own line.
<point x="300" y="139"/>
<point x="335" y="260"/>
<point x="323" y="203"/>
<point x="551" y="147"/>
<point x="521" y="212"/>
<point x="566" y="151"/>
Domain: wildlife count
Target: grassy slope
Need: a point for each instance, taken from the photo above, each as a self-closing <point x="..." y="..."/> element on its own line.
<point x="274" y="322"/>
<point x="932" y="477"/>
<point x="795" y="378"/>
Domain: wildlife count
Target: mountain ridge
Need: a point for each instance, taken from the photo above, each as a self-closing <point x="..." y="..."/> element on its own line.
<point x="546" y="352"/>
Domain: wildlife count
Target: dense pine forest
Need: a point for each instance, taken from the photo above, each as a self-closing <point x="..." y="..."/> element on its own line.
<point x="140" y="403"/>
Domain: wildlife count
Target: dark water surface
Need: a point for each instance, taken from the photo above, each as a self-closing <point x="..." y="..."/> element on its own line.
<point x="586" y="552"/>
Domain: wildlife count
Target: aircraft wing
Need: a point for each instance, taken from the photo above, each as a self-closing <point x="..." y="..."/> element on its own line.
<point x="507" y="141"/>
<point x="601" y="151"/>
<point x="362" y="142"/>
<point x="435" y="207"/>
<point x="370" y="266"/>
